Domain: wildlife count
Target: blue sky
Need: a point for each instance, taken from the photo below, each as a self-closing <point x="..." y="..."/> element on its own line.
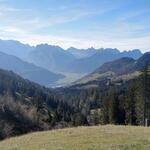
<point x="122" y="24"/>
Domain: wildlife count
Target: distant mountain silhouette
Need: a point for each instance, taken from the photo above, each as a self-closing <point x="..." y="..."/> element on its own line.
<point x="116" y="68"/>
<point x="142" y="60"/>
<point x="119" y="66"/>
<point x="82" y="53"/>
<point x="50" y="57"/>
<point x="89" y="64"/>
<point x="56" y="59"/>
<point x="15" y="48"/>
<point x="28" y="70"/>
<point x="74" y="60"/>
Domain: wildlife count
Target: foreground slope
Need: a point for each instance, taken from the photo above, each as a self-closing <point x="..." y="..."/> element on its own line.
<point x="83" y="138"/>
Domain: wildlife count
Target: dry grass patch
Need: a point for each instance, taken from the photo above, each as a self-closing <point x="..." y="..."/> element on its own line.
<point x="83" y="138"/>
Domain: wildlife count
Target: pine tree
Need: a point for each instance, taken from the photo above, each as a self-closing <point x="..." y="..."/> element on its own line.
<point x="105" y="111"/>
<point x="113" y="108"/>
<point x="145" y="76"/>
<point x="130" y="105"/>
<point x="96" y="117"/>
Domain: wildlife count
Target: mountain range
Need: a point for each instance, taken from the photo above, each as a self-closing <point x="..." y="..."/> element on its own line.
<point x="89" y="64"/>
<point x="15" y="48"/>
<point x="47" y="64"/>
<point x="50" y="57"/>
<point x="82" y="53"/>
<point x="56" y="59"/>
<point x="124" y="68"/>
<point x="28" y="70"/>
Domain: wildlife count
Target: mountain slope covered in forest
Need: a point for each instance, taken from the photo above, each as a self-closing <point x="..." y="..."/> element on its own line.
<point x="26" y="106"/>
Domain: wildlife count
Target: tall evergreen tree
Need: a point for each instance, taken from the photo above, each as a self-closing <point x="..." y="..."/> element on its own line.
<point x="145" y="76"/>
<point x="130" y="105"/>
<point x="113" y="108"/>
<point x="105" y="111"/>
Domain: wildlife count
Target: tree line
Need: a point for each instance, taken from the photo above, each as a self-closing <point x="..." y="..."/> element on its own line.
<point x="128" y="104"/>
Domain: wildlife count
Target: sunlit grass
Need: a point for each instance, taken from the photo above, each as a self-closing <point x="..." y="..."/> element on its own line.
<point x="83" y="138"/>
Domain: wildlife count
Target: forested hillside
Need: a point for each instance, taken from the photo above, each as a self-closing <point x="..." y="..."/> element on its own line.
<point x="26" y="106"/>
<point x="113" y="102"/>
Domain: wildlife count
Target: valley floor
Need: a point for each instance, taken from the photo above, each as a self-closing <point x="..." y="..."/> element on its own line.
<point x="83" y="138"/>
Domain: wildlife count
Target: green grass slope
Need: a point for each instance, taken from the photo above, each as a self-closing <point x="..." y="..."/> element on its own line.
<point x="83" y="138"/>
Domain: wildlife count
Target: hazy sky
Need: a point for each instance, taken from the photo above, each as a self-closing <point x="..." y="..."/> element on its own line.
<point x="124" y="24"/>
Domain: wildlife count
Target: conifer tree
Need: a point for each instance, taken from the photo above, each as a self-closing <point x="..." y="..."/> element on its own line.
<point x="145" y="76"/>
<point x="113" y="108"/>
<point x="130" y="105"/>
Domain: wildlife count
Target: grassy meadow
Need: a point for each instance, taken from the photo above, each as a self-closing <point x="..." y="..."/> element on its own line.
<point x="83" y="138"/>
